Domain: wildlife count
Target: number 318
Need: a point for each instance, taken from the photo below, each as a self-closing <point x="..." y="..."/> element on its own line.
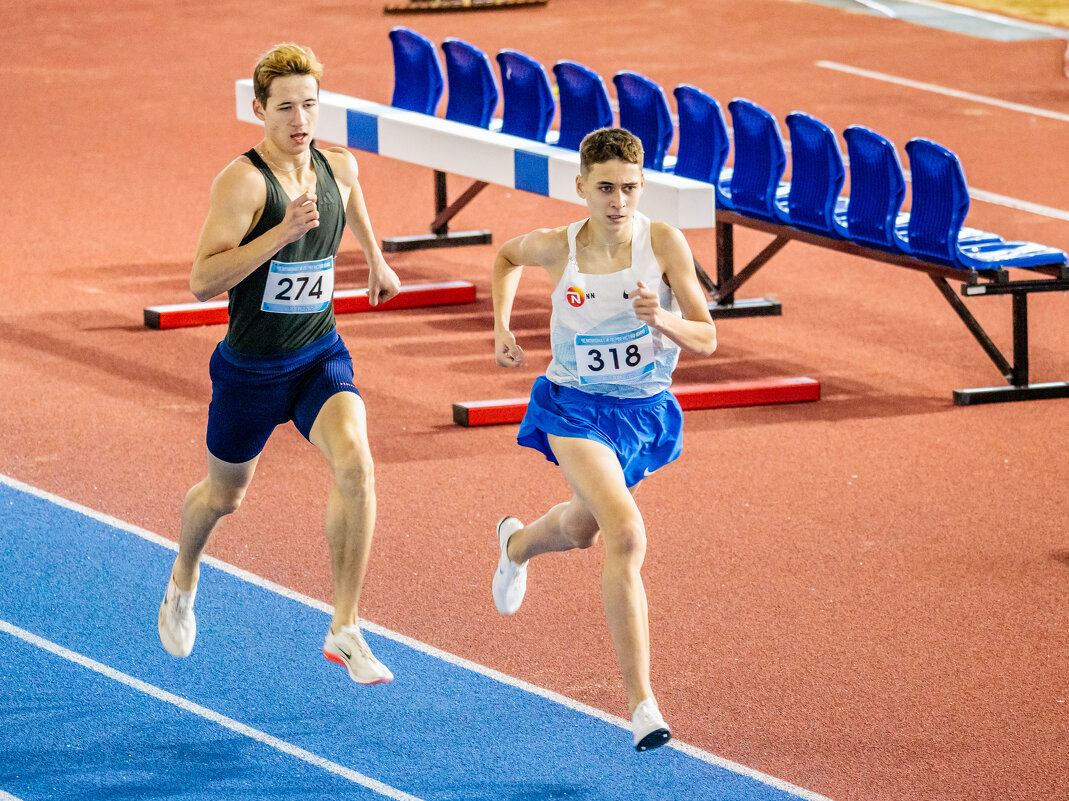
<point x="631" y="358"/>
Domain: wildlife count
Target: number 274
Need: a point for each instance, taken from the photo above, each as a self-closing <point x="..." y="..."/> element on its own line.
<point x="285" y="286"/>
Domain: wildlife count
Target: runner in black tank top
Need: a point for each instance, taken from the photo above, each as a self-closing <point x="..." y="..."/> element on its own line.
<point x="269" y="240"/>
<point x="254" y="331"/>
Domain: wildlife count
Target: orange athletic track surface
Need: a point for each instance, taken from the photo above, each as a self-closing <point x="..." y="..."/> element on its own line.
<point x="865" y="596"/>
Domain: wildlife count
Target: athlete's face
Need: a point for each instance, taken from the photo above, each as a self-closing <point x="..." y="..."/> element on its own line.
<point x="612" y="190"/>
<point x="291" y="114"/>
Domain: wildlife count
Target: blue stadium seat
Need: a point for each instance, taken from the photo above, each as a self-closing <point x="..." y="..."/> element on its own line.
<point x="817" y="176"/>
<point x="472" y="90"/>
<point x="760" y="161"/>
<point x="417" y="72"/>
<point x="584" y="102"/>
<point x="526" y="94"/>
<point x="703" y="138"/>
<point x="644" y="112"/>
<point x="940" y="205"/>
<point x="877" y="189"/>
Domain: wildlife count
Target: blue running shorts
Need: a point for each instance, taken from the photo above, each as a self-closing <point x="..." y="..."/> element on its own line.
<point x="253" y="394"/>
<point x="645" y="433"/>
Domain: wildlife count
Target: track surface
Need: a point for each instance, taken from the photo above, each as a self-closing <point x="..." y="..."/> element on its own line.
<point x="863" y="596"/>
<point x="95" y="711"/>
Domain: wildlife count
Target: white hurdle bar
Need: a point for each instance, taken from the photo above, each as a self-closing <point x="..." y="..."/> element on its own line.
<point x="483" y="155"/>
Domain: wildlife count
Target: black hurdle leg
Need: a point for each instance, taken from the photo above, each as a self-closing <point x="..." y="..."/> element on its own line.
<point x="726" y="306"/>
<point x="440" y="235"/>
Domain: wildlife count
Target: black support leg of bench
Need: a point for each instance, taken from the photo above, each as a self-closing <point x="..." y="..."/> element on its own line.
<point x="440" y="235"/>
<point x="1016" y="374"/>
<point x="724" y="303"/>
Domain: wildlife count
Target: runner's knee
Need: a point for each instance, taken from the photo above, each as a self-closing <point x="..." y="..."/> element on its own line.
<point x="584" y="538"/>
<point x="354" y="471"/>
<point x="225" y="500"/>
<point x="625" y="541"/>
<point x="580" y="528"/>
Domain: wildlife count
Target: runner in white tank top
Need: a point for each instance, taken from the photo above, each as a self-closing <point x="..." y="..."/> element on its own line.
<point x="599" y="345"/>
<point x="603" y="411"/>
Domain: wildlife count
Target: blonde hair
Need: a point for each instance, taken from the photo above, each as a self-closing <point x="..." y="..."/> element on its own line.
<point x="282" y="60"/>
<point x="606" y="144"/>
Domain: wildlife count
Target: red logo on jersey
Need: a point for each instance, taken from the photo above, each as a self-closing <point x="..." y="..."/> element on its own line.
<point x="576" y="296"/>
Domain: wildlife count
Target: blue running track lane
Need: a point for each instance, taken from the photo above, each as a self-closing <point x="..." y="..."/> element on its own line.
<point x="93" y="708"/>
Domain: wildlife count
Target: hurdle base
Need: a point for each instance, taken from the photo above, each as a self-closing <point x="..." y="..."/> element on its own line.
<point x="346" y="301"/>
<point x="458" y="239"/>
<point x="414" y="6"/>
<point x="746" y="307"/>
<point x="980" y="395"/>
<point x="696" y="396"/>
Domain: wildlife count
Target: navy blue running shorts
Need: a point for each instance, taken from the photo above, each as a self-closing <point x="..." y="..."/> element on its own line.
<point x="253" y="394"/>
<point x="645" y="433"/>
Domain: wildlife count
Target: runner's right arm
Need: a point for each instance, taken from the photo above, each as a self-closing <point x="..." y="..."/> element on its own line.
<point x="237" y="198"/>
<point x="538" y="248"/>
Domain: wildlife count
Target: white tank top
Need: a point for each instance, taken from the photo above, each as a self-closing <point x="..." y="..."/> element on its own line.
<point x="599" y="345"/>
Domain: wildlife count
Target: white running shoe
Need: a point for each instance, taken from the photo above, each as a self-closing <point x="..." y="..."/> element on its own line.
<point x="177" y="624"/>
<point x="510" y="579"/>
<point x="649" y="727"/>
<point x="348" y="648"/>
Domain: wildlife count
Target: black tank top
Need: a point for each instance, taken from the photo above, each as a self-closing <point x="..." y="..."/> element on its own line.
<point x="273" y="313"/>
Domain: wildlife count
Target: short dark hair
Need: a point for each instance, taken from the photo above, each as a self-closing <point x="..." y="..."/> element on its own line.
<point x="606" y="144"/>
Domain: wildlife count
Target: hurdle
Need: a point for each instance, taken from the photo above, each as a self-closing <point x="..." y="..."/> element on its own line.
<point x="458" y="5"/>
<point x="346" y="301"/>
<point x="694" y="396"/>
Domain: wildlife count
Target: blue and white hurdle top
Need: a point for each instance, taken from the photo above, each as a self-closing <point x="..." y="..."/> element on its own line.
<point x="486" y="155"/>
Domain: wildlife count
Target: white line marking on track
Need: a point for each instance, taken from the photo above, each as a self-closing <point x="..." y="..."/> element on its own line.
<point x="8" y="797"/>
<point x="1021" y="205"/>
<point x="943" y="90"/>
<point x="416" y="645"/>
<point x="208" y="714"/>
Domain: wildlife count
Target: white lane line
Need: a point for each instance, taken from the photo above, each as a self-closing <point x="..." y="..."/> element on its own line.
<point x="8" y="797"/>
<point x="1020" y="205"/>
<point x="943" y="90"/>
<point x="445" y="656"/>
<point x="208" y="714"/>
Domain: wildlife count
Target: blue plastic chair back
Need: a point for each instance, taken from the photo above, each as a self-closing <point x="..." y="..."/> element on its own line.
<point x="703" y="135"/>
<point x="644" y="112"/>
<point x="584" y="102"/>
<point x="417" y="72"/>
<point x="760" y="159"/>
<point x="472" y="91"/>
<point x="817" y="176"/>
<point x="528" y="98"/>
<point x="877" y="188"/>
<point x="940" y="200"/>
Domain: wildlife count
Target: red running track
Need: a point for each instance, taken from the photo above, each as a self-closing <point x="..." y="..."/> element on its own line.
<point x="864" y="596"/>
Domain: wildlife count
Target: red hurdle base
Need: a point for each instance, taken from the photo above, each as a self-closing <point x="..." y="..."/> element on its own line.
<point x="346" y="301"/>
<point x="695" y="396"/>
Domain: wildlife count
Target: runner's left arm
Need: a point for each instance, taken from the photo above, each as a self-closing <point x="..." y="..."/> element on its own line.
<point x="695" y="331"/>
<point x="382" y="281"/>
